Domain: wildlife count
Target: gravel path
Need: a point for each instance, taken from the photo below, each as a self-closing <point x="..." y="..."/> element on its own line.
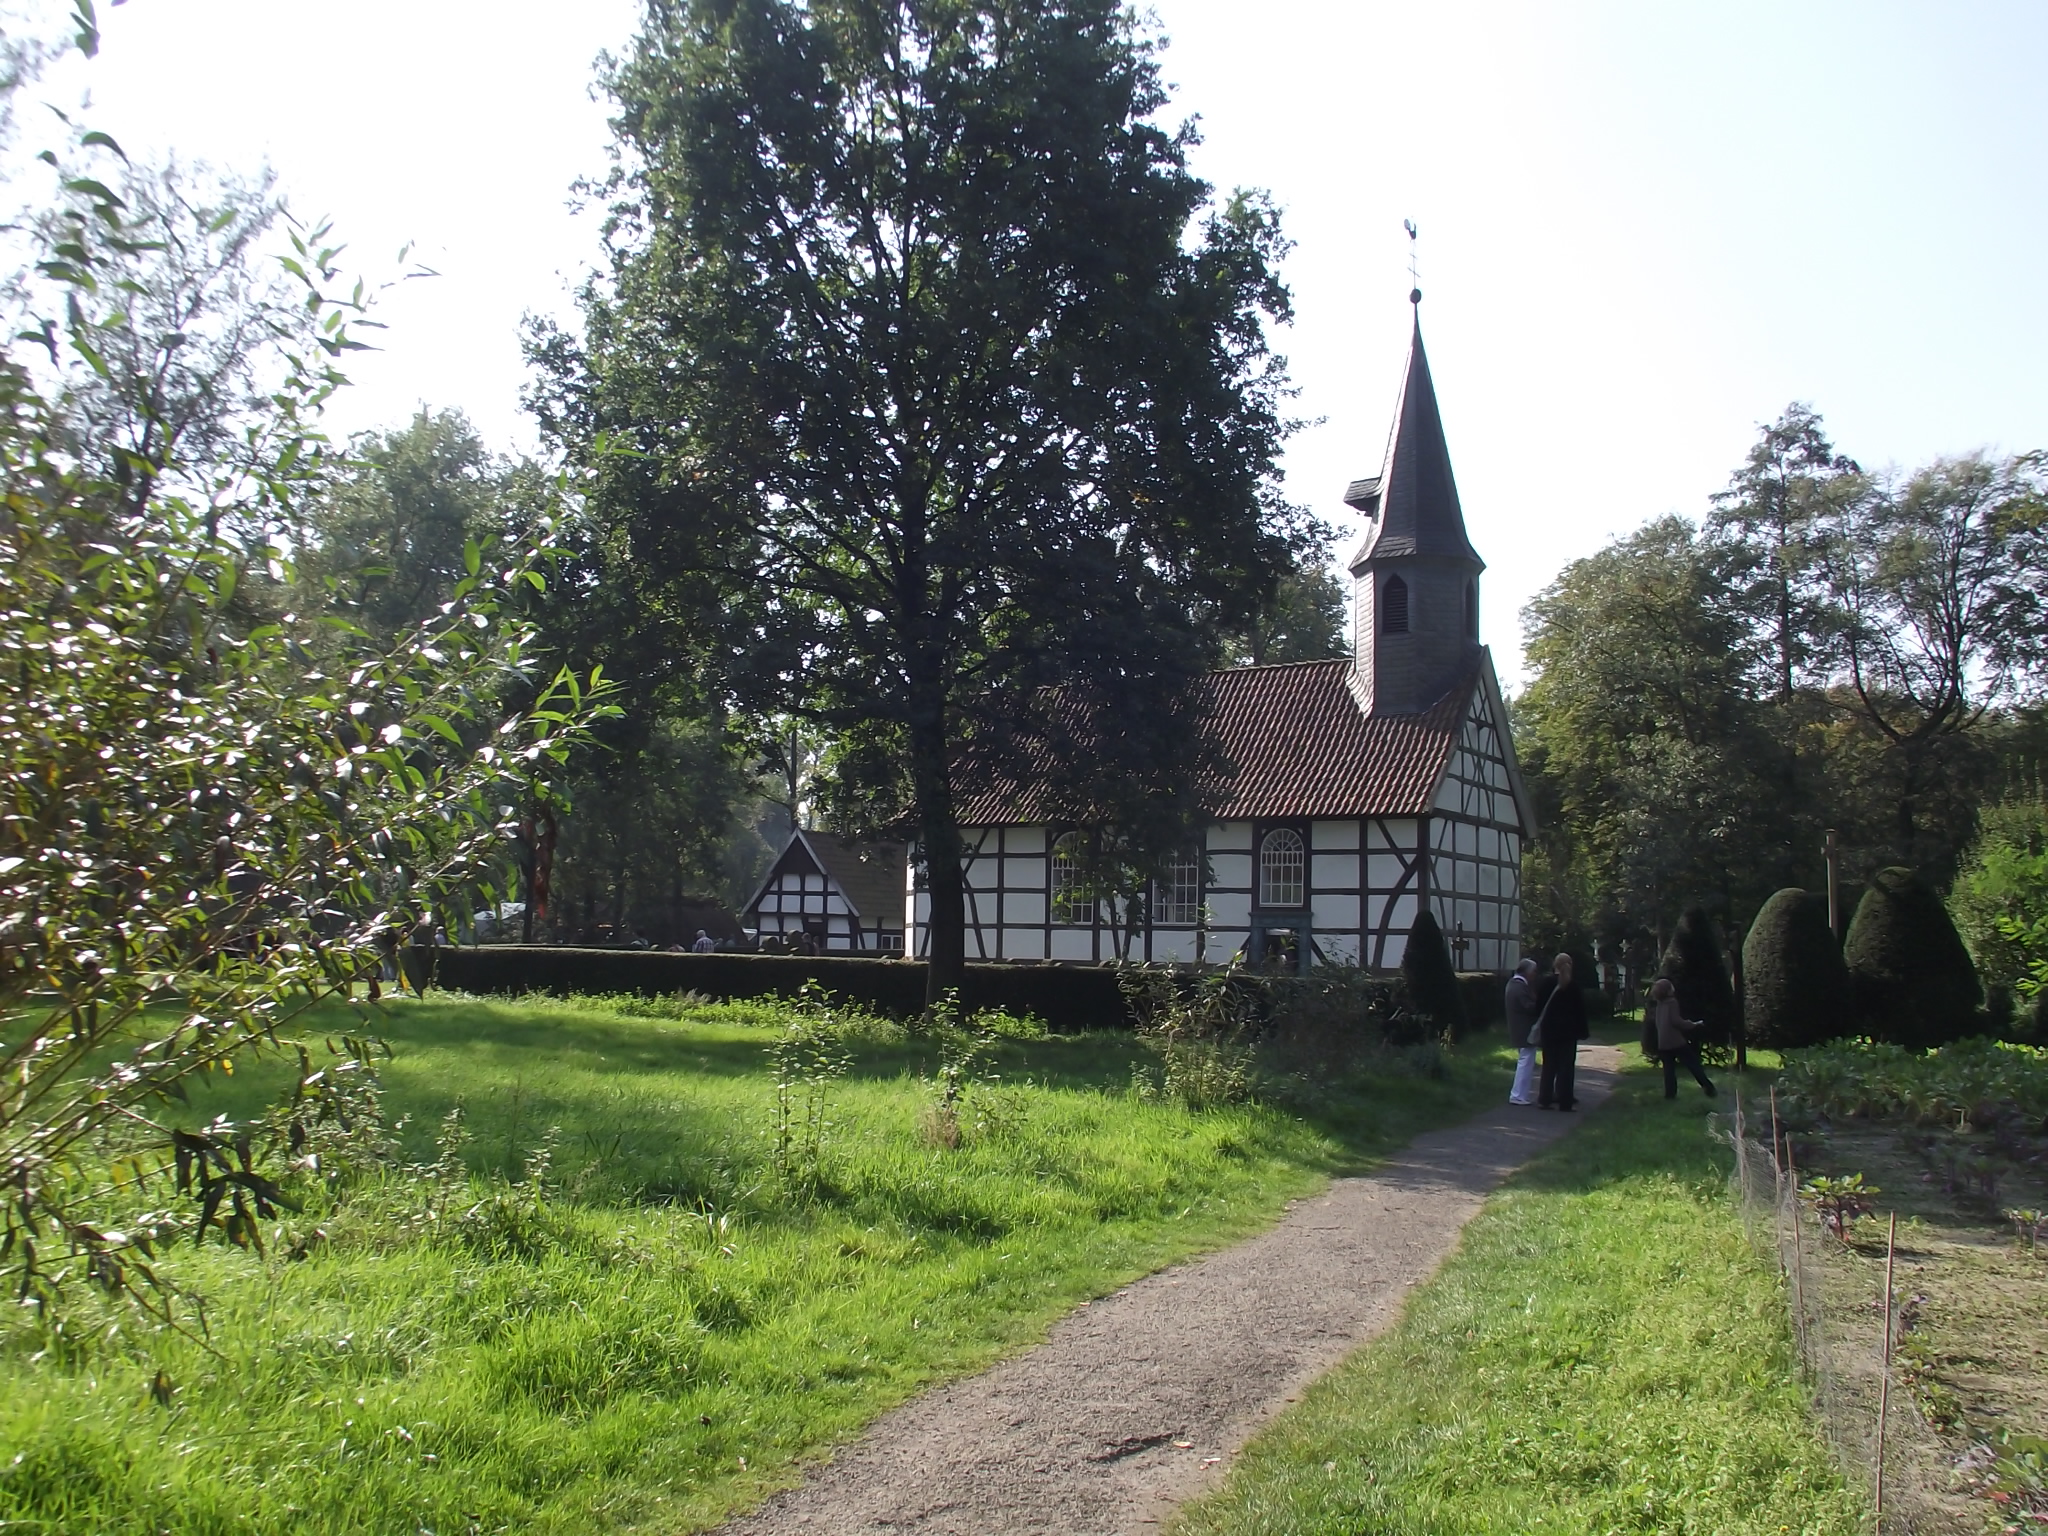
<point x="1137" y="1400"/>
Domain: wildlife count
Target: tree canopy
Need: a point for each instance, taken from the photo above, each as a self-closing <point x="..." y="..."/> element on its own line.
<point x="934" y="392"/>
<point x="1826" y="648"/>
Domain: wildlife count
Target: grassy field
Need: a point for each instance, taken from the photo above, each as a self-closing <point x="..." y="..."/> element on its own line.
<point x="1604" y="1353"/>
<point x="654" y="1332"/>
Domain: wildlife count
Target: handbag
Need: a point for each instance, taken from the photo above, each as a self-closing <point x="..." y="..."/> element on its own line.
<point x="1536" y="1029"/>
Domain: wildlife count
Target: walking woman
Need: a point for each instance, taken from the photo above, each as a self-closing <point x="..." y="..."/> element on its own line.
<point x="1674" y="1045"/>
<point x="1562" y="1026"/>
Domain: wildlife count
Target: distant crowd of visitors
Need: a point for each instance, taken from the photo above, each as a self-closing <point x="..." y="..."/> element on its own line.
<point x="1547" y="1020"/>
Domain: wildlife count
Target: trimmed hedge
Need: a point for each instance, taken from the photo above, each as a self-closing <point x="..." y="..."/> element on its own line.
<point x="1070" y="998"/>
<point x="1485" y="999"/>
<point x="1432" y="983"/>
<point x="1914" y="982"/>
<point x="1795" y="987"/>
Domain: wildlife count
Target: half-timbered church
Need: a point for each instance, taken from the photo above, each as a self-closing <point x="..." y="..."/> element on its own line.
<point x="1366" y="788"/>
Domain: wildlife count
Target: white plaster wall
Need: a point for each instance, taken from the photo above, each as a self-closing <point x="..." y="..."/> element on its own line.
<point x="1333" y="836"/>
<point x="1230" y="909"/>
<point x="1026" y="874"/>
<point x="1230" y="834"/>
<point x="1230" y="871"/>
<point x="1336" y="912"/>
<point x="1073" y="944"/>
<point x="1401" y="830"/>
<point x="1331" y="869"/>
<point x="1338" y="948"/>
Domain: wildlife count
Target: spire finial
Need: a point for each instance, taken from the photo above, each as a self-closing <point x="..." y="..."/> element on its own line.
<point x="1414" y="273"/>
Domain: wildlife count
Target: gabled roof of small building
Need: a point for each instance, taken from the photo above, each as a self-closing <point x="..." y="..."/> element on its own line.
<point x="869" y="875"/>
<point x="1301" y="746"/>
<point x="1414" y="498"/>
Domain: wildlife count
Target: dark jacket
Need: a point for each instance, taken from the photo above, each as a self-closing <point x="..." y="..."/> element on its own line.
<point x="1521" y="1008"/>
<point x="1564" y="1022"/>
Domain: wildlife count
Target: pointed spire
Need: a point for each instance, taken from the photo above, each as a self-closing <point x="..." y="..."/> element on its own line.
<point x="1415" y="497"/>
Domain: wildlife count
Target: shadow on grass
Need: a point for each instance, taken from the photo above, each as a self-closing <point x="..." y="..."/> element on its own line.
<point x="679" y="1111"/>
<point x="1639" y="1134"/>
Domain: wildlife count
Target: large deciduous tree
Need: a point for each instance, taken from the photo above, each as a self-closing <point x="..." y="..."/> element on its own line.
<point x="945" y="386"/>
<point x="1943" y="588"/>
<point x="1642" y="731"/>
<point x="1776" y="517"/>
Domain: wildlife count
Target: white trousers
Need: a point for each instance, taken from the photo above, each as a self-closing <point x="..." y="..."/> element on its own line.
<point x="1524" y="1091"/>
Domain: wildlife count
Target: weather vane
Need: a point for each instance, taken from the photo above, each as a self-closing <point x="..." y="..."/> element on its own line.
<point x="1414" y="272"/>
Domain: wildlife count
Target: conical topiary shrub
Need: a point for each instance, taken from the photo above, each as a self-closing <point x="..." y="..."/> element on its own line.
<point x="1693" y="962"/>
<point x="1432" y="982"/>
<point x="1912" y="980"/>
<point x="1795" y="988"/>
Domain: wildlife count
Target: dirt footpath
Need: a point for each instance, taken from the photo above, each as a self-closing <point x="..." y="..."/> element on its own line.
<point x="1137" y="1400"/>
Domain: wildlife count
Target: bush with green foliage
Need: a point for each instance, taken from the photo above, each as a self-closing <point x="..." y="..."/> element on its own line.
<point x="1795" y="986"/>
<point x="1867" y="1079"/>
<point x="1912" y="980"/>
<point x="1694" y="962"/>
<point x="2003" y="879"/>
<point x="214" y="814"/>
<point x="1432" y="982"/>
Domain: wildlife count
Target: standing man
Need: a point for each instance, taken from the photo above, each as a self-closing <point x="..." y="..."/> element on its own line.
<point x="1563" y="1014"/>
<point x="1521" y="1009"/>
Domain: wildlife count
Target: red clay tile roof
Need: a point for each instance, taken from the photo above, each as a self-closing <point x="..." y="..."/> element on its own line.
<point x="869" y="875"/>
<point x="1301" y="746"/>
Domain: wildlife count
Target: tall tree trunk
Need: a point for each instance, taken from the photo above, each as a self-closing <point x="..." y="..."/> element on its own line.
<point x="931" y="776"/>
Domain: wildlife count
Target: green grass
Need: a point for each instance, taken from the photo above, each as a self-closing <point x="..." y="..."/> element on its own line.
<point x="662" y="1338"/>
<point x="1604" y="1353"/>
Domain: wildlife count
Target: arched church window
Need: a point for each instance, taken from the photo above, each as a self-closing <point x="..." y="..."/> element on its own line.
<point x="1471" y="610"/>
<point x="1070" y="904"/>
<point x="1283" y="869"/>
<point x="1394" y="607"/>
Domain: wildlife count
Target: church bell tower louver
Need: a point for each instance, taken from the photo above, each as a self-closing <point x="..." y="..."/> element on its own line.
<point x="1415" y="606"/>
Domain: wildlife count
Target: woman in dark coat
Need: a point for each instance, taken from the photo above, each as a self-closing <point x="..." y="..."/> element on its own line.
<point x="1563" y="1026"/>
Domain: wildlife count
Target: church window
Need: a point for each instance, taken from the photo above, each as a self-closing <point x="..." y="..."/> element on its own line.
<point x="1177" y="898"/>
<point x="1394" y="607"/>
<point x="1471" y="610"/>
<point x="1283" y="868"/>
<point x="1070" y="903"/>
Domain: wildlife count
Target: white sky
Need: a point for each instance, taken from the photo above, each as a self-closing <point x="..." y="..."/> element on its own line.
<point x="1645" y="228"/>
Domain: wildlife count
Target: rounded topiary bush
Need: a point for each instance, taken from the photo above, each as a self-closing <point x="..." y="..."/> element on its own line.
<point x="1795" y="987"/>
<point x="1693" y="960"/>
<point x="1912" y="981"/>
<point x="1432" y="980"/>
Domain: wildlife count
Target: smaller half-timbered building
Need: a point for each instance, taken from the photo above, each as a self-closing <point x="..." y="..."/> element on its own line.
<point x="1365" y="790"/>
<point x="848" y="896"/>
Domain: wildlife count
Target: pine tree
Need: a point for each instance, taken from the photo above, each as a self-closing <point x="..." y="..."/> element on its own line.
<point x="1795" y="984"/>
<point x="1912" y="980"/>
<point x="1432" y="982"/>
<point x="1694" y="962"/>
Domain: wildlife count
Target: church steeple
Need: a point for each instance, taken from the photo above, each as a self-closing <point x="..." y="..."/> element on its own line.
<point x="1417" y="574"/>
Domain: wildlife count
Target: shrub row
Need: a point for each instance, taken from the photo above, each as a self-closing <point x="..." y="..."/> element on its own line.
<point x="1070" y="998"/>
<point x="1901" y="975"/>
